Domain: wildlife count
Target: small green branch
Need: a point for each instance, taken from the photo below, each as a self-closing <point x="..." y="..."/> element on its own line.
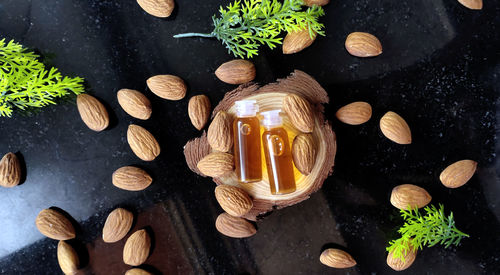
<point x="194" y="34"/>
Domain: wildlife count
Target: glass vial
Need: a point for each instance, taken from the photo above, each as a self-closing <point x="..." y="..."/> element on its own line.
<point x="278" y="154"/>
<point x="246" y="129"/>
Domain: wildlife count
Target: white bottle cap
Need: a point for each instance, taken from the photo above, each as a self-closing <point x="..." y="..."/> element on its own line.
<point x="245" y="108"/>
<point x="272" y="118"/>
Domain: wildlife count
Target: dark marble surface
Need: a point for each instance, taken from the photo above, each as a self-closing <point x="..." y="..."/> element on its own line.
<point x="439" y="70"/>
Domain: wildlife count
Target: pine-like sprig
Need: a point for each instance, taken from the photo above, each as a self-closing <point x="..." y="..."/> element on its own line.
<point x="428" y="230"/>
<point x="25" y="82"/>
<point x="243" y="28"/>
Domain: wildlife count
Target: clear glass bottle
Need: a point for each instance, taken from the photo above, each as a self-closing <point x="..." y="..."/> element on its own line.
<point x="278" y="154"/>
<point x="247" y="152"/>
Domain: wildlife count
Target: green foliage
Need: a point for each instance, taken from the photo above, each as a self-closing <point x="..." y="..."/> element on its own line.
<point x="428" y="230"/>
<point x="243" y="28"/>
<point x="25" y="82"/>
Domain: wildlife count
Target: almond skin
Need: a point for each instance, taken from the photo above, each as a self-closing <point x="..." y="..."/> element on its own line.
<point x="472" y="4"/>
<point x="295" y="42"/>
<point x="355" y="113"/>
<point x="142" y="143"/>
<point x="136" y="249"/>
<point x="54" y="225"/>
<point x="458" y="173"/>
<point x="397" y="264"/>
<point x="219" y="133"/>
<point x="117" y="225"/>
<point x="395" y="128"/>
<point x="336" y="258"/>
<point x="67" y="258"/>
<point x="235" y="201"/>
<point x="216" y="164"/>
<point x="304" y="153"/>
<point x="92" y="112"/>
<point x="131" y="178"/>
<point x="10" y="170"/>
<point x="234" y="227"/>
<point x="199" y="111"/>
<point x="158" y="8"/>
<point x="362" y="44"/>
<point x="310" y="3"/>
<point x="137" y="271"/>
<point x="134" y="103"/>
<point x="237" y="71"/>
<point x="409" y="196"/>
<point x="299" y="112"/>
<point x="166" y="86"/>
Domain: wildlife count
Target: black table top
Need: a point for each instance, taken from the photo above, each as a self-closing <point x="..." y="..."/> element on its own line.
<point x="439" y="70"/>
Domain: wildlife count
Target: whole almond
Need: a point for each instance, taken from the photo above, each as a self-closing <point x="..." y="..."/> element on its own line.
<point x="134" y="103"/>
<point x="117" y="225"/>
<point x="216" y="164"/>
<point x="131" y="178"/>
<point x="458" y="173"/>
<point x="167" y="86"/>
<point x="395" y="128"/>
<point x="199" y="111"/>
<point x="407" y="196"/>
<point x="10" y="170"/>
<point x="299" y="112"/>
<point x="310" y="3"/>
<point x="54" y="225"/>
<point x="136" y="249"/>
<point x="234" y="200"/>
<point x="92" y="112"/>
<point x="234" y="227"/>
<point x="304" y="153"/>
<point x="142" y="143"/>
<point x="336" y="258"/>
<point x="362" y="44"/>
<point x="472" y="4"/>
<point x="158" y="8"/>
<point x="137" y="271"/>
<point x="355" y="113"/>
<point x="219" y="133"/>
<point x="398" y="264"/>
<point x="295" y="42"/>
<point x="236" y="71"/>
<point x="67" y="258"/>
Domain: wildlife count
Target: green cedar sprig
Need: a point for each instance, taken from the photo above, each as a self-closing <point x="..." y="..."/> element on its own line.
<point x="25" y="82"/>
<point x="243" y="28"/>
<point x="428" y="230"/>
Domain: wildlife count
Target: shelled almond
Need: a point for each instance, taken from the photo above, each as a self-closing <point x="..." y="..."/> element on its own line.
<point x="234" y="200"/>
<point x="219" y="133"/>
<point x="158" y="8"/>
<point x="310" y="3"/>
<point x="304" y="153"/>
<point x="398" y="264"/>
<point x="237" y="71"/>
<point x="131" y="178"/>
<point x="362" y="44"/>
<point x="458" y="173"/>
<point x="299" y="112"/>
<point x="117" y="225"/>
<point x="167" y="86"/>
<point x="137" y="248"/>
<point x="472" y="4"/>
<point x="67" y="258"/>
<point x="199" y="111"/>
<point x="395" y="128"/>
<point x="336" y="258"/>
<point x="355" y="113"/>
<point x="134" y="103"/>
<point x="137" y="271"/>
<point x="234" y="227"/>
<point x="216" y="164"/>
<point x="54" y="225"/>
<point x="92" y="112"/>
<point x="10" y="170"/>
<point x="406" y="196"/>
<point x="142" y="143"/>
<point x="295" y="42"/>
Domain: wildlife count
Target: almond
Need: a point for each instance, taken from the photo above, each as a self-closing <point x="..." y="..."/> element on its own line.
<point x="142" y="143"/>
<point x="236" y="71"/>
<point x="199" y="111"/>
<point x="398" y="264"/>
<point x="234" y="227"/>
<point x="295" y="42"/>
<point x="136" y="249"/>
<point x="362" y="44"/>
<point x="299" y="112"/>
<point x="54" y="225"/>
<point x="134" y="103"/>
<point x="336" y="258"/>
<point x="234" y="200"/>
<point x="10" y="170"/>
<point x="409" y="196"/>
<point x="395" y="128"/>
<point x="137" y="271"/>
<point x="92" y="112"/>
<point x="355" y="113"/>
<point x="216" y="164"/>
<point x="458" y="173"/>
<point x="310" y="3"/>
<point x="158" y="8"/>
<point x="67" y="258"/>
<point x="219" y="133"/>
<point x="167" y="86"/>
<point x="117" y="225"/>
<point x="304" y="153"/>
<point x="131" y="178"/>
<point x="472" y="4"/>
